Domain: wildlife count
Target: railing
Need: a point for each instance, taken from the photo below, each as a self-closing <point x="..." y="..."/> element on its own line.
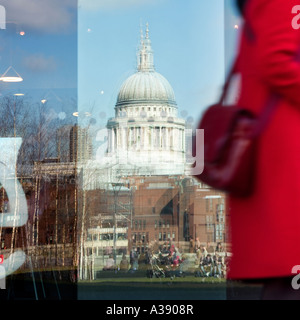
<point x="102" y="244"/>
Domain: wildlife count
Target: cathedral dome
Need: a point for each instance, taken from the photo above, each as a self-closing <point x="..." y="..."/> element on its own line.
<point x="146" y="87"/>
<point x="146" y="137"/>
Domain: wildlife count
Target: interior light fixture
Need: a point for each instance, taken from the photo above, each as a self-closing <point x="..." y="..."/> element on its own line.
<point x="11" y="78"/>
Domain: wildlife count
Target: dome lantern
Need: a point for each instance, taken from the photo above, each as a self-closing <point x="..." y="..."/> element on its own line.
<point x="145" y="55"/>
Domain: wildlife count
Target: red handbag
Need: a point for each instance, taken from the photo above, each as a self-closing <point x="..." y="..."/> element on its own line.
<point x="231" y="137"/>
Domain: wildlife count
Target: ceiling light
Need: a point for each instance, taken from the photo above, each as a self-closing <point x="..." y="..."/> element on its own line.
<point x="11" y="78"/>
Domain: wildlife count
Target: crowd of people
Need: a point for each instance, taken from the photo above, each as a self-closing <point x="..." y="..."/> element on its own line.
<point x="205" y="261"/>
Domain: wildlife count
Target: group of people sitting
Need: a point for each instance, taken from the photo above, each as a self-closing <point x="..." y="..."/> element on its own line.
<point x="214" y="264"/>
<point x="169" y="255"/>
<point x="110" y="264"/>
<point x="208" y="264"/>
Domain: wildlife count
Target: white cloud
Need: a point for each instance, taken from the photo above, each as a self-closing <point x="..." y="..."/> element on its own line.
<point x="48" y="16"/>
<point x="39" y="63"/>
<point x="52" y="16"/>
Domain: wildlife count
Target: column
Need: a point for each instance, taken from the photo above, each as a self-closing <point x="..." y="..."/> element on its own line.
<point x="160" y="138"/>
<point x="112" y="139"/>
<point x="109" y="140"/>
<point x="167" y="139"/>
<point x="183" y="140"/>
<point x="151" y="134"/>
<point x="124" y="143"/>
<point x="129" y="138"/>
<point x="146" y="140"/>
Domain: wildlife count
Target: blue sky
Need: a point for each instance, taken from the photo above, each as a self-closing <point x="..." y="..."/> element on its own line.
<point x="187" y="39"/>
<point x="60" y="56"/>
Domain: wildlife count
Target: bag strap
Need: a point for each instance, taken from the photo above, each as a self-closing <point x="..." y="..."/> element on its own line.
<point x="232" y="72"/>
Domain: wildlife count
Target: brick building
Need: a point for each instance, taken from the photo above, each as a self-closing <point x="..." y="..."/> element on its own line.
<point x="157" y="208"/>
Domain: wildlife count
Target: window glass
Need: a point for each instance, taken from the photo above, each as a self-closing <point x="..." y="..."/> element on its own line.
<point x="168" y="207"/>
<point x="39" y="144"/>
<point x="99" y="103"/>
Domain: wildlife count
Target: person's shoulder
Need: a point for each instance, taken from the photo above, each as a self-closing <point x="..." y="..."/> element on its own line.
<point x="262" y="3"/>
<point x="257" y="7"/>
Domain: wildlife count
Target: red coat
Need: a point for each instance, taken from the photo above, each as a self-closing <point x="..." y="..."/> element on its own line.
<point x="265" y="228"/>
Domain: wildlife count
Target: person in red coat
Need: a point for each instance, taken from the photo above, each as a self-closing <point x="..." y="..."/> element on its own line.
<point x="265" y="227"/>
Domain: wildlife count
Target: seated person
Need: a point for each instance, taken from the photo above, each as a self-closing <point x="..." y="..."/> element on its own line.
<point x="219" y="247"/>
<point x="217" y="272"/>
<point x="110" y="263"/>
<point x="184" y="264"/>
<point x="172" y="249"/>
<point x="198" y="256"/>
<point x="124" y="265"/>
<point x="135" y="262"/>
<point x="206" y="266"/>
<point x="142" y="258"/>
<point x="169" y="260"/>
<point x="176" y="261"/>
